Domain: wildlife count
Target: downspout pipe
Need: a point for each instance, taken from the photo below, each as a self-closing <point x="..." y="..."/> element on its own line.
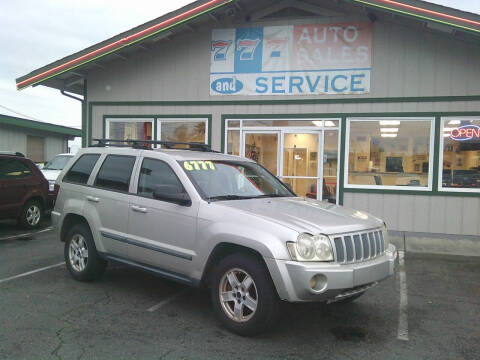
<point x="83" y="101"/>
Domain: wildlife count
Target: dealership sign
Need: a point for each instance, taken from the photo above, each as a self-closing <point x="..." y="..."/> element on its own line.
<point x="464" y="133"/>
<point x="291" y="60"/>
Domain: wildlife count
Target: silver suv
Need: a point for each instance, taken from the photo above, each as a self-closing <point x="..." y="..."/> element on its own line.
<point x="207" y="219"/>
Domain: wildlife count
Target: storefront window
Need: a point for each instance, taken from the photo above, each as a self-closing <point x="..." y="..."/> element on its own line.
<point x="129" y="129"/>
<point x="183" y="131"/>
<point x="389" y="153"/>
<point x="461" y="154"/>
<point x="327" y="123"/>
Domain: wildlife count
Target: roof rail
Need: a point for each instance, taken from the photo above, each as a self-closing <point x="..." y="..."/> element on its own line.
<point x="12" y="153"/>
<point x="143" y="144"/>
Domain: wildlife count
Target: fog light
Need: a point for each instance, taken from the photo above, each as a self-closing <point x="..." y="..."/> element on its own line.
<point x="318" y="282"/>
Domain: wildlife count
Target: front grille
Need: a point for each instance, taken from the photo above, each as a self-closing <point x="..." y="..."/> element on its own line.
<point x="359" y="247"/>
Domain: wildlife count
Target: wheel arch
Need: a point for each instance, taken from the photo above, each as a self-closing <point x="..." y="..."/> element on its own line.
<point x="222" y="250"/>
<point x="70" y="220"/>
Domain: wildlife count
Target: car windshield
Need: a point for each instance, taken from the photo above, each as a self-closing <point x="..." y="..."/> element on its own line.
<point x="57" y="163"/>
<point x="233" y="180"/>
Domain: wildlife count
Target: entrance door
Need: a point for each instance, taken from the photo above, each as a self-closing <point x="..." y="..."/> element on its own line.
<point x="305" y="159"/>
<point x="301" y="167"/>
<point x="263" y="146"/>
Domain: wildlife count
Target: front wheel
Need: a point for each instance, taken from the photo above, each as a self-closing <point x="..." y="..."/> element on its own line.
<point x="243" y="295"/>
<point x="81" y="255"/>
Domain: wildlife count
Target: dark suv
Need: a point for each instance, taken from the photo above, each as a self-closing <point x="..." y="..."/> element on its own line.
<point x="23" y="191"/>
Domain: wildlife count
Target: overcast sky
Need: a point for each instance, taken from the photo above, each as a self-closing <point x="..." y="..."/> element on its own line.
<point x="35" y="33"/>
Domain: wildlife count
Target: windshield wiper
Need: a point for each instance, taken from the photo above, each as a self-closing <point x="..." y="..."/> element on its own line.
<point x="240" y="197"/>
<point x="229" y="197"/>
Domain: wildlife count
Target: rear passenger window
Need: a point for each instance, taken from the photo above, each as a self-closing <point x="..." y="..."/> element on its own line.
<point x="153" y="173"/>
<point x="13" y="169"/>
<point x="81" y="170"/>
<point x="115" y="173"/>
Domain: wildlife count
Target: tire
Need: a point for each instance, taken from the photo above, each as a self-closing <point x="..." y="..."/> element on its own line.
<point x="350" y="299"/>
<point x="255" y="306"/>
<point x="31" y="215"/>
<point x="81" y="255"/>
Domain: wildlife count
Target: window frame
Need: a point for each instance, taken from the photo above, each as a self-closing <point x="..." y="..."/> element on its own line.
<point x="159" y="121"/>
<point x="139" y="174"/>
<point x="441" y="151"/>
<point x="89" y="176"/>
<point x="431" y="167"/>
<point x="132" y="119"/>
<point x="94" y="181"/>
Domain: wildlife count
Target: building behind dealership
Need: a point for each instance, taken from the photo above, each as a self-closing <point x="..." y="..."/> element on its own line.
<point x="38" y="140"/>
<point x="371" y="104"/>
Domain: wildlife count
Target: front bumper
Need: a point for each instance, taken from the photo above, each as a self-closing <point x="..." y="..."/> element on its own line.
<point x="292" y="278"/>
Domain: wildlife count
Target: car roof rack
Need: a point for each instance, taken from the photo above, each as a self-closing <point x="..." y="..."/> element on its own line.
<point x="144" y="144"/>
<point x="12" y="153"/>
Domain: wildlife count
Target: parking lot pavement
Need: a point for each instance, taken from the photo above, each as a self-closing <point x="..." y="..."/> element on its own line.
<point x="9" y="228"/>
<point x="130" y="314"/>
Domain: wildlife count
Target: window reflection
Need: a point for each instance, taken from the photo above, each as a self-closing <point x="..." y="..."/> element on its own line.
<point x="389" y="152"/>
<point x="461" y="153"/>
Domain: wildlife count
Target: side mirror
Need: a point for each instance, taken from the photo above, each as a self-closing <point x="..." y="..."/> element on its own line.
<point x="173" y="194"/>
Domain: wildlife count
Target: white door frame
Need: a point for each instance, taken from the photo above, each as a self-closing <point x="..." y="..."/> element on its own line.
<point x="280" y="147"/>
<point x="320" y="148"/>
<point x="271" y="132"/>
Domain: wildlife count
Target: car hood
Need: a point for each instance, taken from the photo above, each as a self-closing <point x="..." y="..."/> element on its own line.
<point x="306" y="215"/>
<point x="51" y="175"/>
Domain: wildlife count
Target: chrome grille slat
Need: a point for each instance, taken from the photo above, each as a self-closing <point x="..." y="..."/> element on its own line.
<point x="357" y="247"/>
<point x="350" y="255"/>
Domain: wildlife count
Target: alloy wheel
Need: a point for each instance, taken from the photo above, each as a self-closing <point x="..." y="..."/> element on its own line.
<point x="238" y="295"/>
<point x="78" y="253"/>
<point x="33" y="215"/>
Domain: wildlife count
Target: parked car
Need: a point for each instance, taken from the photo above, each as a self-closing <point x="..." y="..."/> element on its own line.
<point x="52" y="168"/>
<point x="23" y="191"/>
<point x="207" y="219"/>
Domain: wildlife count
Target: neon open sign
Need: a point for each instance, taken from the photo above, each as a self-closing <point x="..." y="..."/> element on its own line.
<point x="466" y="132"/>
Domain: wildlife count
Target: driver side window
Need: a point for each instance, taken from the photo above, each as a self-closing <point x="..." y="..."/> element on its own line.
<point x="155" y="173"/>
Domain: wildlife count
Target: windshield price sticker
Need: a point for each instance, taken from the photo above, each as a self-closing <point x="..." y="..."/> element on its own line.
<point x="194" y="165"/>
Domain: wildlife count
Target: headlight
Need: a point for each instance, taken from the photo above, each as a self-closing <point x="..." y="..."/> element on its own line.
<point x="386" y="238"/>
<point x="51" y="185"/>
<point x="311" y="248"/>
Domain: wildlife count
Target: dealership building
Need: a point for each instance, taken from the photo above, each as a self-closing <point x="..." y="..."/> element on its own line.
<point x="371" y="104"/>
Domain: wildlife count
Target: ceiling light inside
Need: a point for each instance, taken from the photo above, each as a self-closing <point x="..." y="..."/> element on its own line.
<point x="329" y="123"/>
<point x="454" y="122"/>
<point x="389" y="122"/>
<point x="389" y="135"/>
<point x="389" y="130"/>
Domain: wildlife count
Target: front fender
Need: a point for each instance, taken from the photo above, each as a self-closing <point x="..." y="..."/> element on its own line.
<point x="267" y="243"/>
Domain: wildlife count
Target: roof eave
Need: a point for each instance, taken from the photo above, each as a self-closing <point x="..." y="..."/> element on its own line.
<point x="119" y="42"/>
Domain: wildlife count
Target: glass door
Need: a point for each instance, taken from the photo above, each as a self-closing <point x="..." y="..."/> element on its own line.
<point x="305" y="159"/>
<point x="301" y="167"/>
<point x="262" y="147"/>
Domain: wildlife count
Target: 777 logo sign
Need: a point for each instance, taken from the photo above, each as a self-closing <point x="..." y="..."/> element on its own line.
<point x="247" y="47"/>
<point x="220" y="49"/>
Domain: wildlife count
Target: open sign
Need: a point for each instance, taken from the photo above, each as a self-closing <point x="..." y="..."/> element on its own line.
<point x="466" y="132"/>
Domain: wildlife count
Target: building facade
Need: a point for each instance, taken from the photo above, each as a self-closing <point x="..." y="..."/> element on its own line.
<point x="36" y="140"/>
<point x="373" y="105"/>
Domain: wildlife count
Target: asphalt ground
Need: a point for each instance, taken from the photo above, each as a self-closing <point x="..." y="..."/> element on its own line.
<point x="429" y="310"/>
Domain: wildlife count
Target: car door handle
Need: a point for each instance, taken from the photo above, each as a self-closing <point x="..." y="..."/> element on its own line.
<point x="139" y="209"/>
<point x="93" y="199"/>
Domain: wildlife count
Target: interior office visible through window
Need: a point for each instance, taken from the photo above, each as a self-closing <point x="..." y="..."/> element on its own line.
<point x="460" y="154"/>
<point x="389" y="153"/>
